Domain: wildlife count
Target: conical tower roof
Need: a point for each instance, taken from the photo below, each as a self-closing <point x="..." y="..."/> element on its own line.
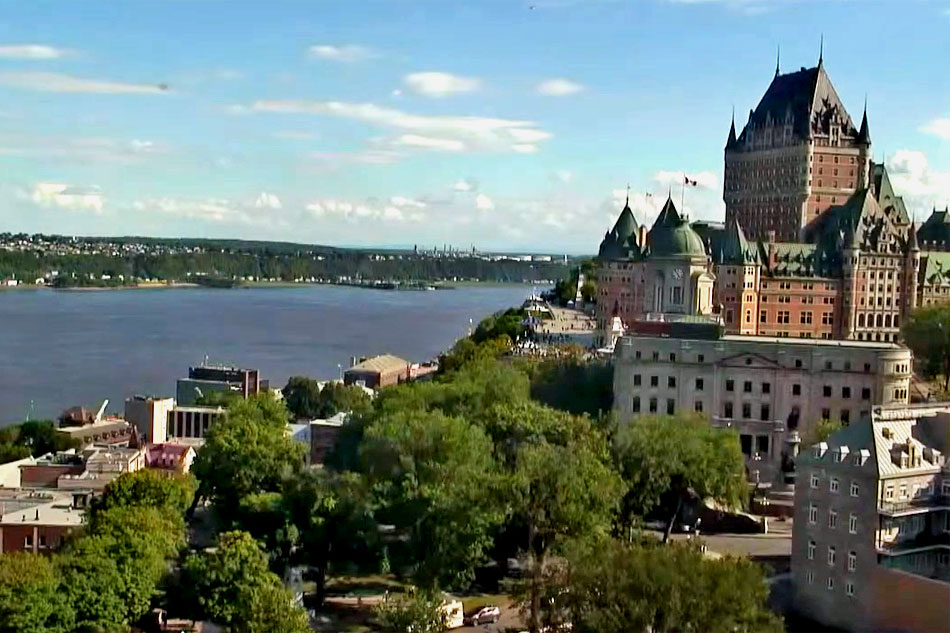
<point x="735" y="247"/>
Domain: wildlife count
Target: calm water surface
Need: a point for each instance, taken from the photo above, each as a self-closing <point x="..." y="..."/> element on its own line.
<point x="65" y="348"/>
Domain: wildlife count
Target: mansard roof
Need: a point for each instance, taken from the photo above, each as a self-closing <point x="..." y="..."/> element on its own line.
<point x="859" y="223"/>
<point x="884" y="192"/>
<point x="936" y="229"/>
<point x="807" y="100"/>
<point x="734" y="248"/>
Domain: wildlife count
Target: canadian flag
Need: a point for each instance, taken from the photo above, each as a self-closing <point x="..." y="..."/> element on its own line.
<point x="687" y="181"/>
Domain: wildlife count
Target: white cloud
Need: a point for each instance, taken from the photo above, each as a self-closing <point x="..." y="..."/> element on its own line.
<point x="348" y="53"/>
<point x="559" y="87"/>
<point x="329" y="208"/>
<point x="939" y="128"/>
<point x="214" y="210"/>
<point x="705" y="179"/>
<point x="267" y="201"/>
<point x="82" y="149"/>
<point x="475" y="133"/>
<point x="464" y="186"/>
<point x="484" y="203"/>
<point x="396" y="93"/>
<point x="435" y="84"/>
<point x="400" y="201"/>
<point x="57" y="82"/>
<point x="295" y="135"/>
<point x="922" y="187"/>
<point x="69" y="197"/>
<point x="33" y="52"/>
<point x="564" y="175"/>
<point x="430" y="142"/>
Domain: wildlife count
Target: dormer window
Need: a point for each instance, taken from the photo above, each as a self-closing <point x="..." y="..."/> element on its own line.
<point x="841" y="454"/>
<point x="820" y="449"/>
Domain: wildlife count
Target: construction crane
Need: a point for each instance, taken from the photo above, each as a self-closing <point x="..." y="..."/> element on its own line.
<point x="102" y="409"/>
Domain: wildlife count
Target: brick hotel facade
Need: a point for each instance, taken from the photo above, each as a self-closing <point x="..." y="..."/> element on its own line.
<point x="816" y="243"/>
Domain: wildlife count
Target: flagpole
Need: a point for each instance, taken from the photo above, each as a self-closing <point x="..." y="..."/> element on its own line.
<point x="683" y="197"/>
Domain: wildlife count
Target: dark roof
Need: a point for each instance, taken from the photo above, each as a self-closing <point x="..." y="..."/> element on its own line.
<point x="806" y="99"/>
<point x="935" y="231"/>
<point x="734" y="248"/>
<point x="620" y="242"/>
<point x="672" y="235"/>
<point x="892" y="203"/>
<point x="864" y="134"/>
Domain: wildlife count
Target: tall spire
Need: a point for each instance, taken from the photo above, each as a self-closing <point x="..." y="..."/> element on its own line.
<point x="732" y="130"/>
<point x="778" y="58"/>
<point x="627" y="203"/>
<point x="864" y="135"/>
<point x="821" y="50"/>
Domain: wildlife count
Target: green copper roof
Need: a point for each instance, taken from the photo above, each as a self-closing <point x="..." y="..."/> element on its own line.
<point x="937" y="267"/>
<point x="621" y="241"/>
<point x="672" y="236"/>
<point x="735" y="248"/>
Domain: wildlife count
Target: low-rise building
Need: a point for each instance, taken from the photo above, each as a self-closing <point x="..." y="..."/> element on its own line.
<point x="90" y="469"/>
<point x="149" y="415"/>
<point x="111" y="430"/>
<point x="378" y="371"/>
<point x="771" y="390"/>
<point x="37" y="521"/>
<point x="171" y="459"/>
<point x="192" y="422"/>
<point x="871" y="533"/>
<point x="323" y="436"/>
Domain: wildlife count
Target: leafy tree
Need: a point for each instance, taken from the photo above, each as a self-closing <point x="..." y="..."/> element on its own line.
<point x="416" y="611"/>
<point x="265" y="516"/>
<point x="503" y="324"/>
<point x="33" y="437"/>
<point x="666" y="459"/>
<point x="339" y="398"/>
<point x="30" y="597"/>
<point x="466" y="352"/>
<point x="302" y="396"/>
<point x="559" y="492"/>
<point x="574" y="385"/>
<point x="927" y="333"/>
<point x="616" y="587"/>
<point x="233" y="586"/>
<point x="589" y="291"/>
<point x="92" y="586"/>
<point x="248" y="452"/>
<point x="434" y="478"/>
<point x="333" y="513"/>
<point x="147" y="488"/>
<point x="140" y="541"/>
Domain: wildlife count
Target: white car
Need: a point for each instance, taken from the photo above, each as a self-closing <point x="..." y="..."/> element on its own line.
<point x="486" y="615"/>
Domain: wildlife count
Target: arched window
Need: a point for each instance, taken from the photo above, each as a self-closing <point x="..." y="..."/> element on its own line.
<point x="878" y="321"/>
<point x="861" y="320"/>
<point x="896" y="321"/>
<point x="887" y="321"/>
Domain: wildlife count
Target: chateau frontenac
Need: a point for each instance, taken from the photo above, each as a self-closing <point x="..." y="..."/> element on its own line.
<point x="816" y="241"/>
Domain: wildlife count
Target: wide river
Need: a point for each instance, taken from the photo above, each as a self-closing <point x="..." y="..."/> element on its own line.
<point x="65" y="348"/>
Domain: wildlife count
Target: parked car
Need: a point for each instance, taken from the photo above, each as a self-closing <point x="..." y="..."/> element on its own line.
<point x="486" y="615"/>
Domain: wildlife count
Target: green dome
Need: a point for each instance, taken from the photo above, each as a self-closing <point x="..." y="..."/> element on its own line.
<point x="672" y="236"/>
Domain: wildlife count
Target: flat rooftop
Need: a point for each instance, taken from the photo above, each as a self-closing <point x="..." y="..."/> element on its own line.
<point x="777" y="340"/>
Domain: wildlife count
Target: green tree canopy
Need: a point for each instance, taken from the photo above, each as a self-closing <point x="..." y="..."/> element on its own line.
<point x="302" y="396"/>
<point x="615" y="587"/>
<point x="416" y="611"/>
<point x="146" y="487"/>
<point x="574" y="385"/>
<point x="339" y="398"/>
<point x="233" y="586"/>
<point x="434" y="477"/>
<point x="30" y="598"/>
<point x="664" y="459"/>
<point x="247" y="453"/>
<point x="927" y="333"/>
<point x="34" y="437"/>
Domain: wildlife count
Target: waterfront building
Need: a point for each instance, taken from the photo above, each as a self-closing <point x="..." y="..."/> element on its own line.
<point x="378" y="371"/>
<point x="149" y="415"/>
<point x="871" y="532"/>
<point x="817" y="243"/>
<point x="771" y="390"/>
<point x="110" y="430"/>
<point x="206" y="379"/>
<point x="192" y="422"/>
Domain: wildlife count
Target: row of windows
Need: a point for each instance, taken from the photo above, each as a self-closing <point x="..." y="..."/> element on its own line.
<point x="806" y="299"/>
<point x="832" y="518"/>
<point x="848" y="585"/>
<point x="917" y="490"/>
<point x="833" y="484"/>
<point x="878" y="320"/>
<point x="832" y="556"/>
<point x="654" y="404"/>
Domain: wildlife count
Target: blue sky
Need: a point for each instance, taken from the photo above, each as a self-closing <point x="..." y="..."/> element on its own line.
<point x="506" y="124"/>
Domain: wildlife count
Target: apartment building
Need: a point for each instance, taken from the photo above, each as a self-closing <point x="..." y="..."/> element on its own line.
<point x="771" y="390"/>
<point x="871" y="535"/>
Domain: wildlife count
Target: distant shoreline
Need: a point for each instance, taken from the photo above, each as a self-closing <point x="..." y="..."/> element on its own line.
<point x="264" y="284"/>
